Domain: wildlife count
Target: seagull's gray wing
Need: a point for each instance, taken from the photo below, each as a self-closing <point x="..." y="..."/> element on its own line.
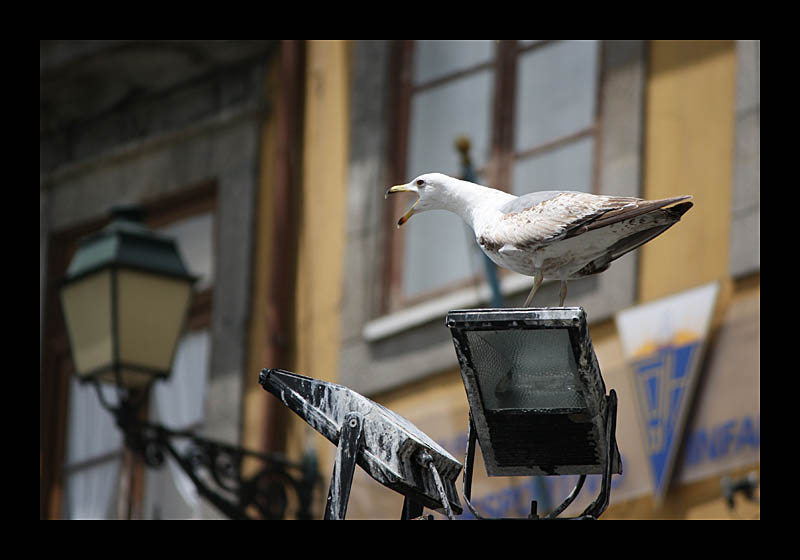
<point x="527" y="201"/>
<point x="542" y="217"/>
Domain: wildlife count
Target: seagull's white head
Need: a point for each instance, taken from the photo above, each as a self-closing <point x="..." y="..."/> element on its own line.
<point x="435" y="191"/>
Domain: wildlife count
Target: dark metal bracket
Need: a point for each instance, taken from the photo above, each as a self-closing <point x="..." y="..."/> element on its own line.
<point x="345" y="465"/>
<point x="594" y="510"/>
<point x="215" y="467"/>
<point x="414" y="510"/>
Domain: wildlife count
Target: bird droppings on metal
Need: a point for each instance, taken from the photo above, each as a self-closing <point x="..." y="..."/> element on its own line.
<point x="389" y="444"/>
<point x="585" y="425"/>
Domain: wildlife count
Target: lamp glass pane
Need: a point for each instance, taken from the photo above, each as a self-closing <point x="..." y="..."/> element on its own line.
<point x="526" y="369"/>
<point x="150" y="315"/>
<point x="87" y="313"/>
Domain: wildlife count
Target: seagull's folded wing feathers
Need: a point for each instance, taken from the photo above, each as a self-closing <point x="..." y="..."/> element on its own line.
<point x="540" y="218"/>
<point x="626" y="212"/>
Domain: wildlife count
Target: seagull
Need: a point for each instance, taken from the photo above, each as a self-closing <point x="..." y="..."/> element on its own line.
<point x="561" y="235"/>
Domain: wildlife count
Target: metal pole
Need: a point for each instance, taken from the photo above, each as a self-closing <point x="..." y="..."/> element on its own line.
<point x="345" y="466"/>
<point x="468" y="174"/>
<point x="411" y="509"/>
<point x="469" y="462"/>
<point x="601" y="503"/>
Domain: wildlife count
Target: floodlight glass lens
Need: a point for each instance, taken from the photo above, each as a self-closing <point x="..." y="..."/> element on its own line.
<point x="526" y="369"/>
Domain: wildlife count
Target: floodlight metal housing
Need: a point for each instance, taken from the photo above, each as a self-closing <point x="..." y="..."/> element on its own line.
<point x="387" y="446"/>
<point x="537" y="398"/>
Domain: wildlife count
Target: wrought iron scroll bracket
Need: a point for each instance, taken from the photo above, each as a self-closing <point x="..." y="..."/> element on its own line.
<point x="215" y="467"/>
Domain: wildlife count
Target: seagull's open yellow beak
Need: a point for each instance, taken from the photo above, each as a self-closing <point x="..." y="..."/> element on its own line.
<point x="404" y="188"/>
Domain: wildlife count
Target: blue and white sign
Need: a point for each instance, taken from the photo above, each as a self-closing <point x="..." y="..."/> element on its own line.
<point x="663" y="342"/>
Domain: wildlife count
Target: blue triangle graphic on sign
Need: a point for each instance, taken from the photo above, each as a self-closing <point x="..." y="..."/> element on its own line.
<point x="662" y="381"/>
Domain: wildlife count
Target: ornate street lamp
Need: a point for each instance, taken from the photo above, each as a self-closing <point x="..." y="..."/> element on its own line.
<point x="125" y="298"/>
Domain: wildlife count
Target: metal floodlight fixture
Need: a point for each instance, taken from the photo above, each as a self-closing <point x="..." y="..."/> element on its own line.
<point x="125" y="299"/>
<point x="387" y="446"/>
<point x="538" y="403"/>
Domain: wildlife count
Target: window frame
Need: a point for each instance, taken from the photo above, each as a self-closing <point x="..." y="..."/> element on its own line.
<point x="57" y="365"/>
<point x="497" y="171"/>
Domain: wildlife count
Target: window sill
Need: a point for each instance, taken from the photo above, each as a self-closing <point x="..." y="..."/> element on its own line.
<point x="388" y="325"/>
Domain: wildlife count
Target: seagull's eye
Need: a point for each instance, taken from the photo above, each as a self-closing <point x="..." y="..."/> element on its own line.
<point x="420" y="182"/>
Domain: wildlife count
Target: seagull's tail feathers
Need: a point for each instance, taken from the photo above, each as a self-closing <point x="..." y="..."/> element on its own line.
<point x="673" y="200"/>
<point x="628" y="211"/>
<point x="664" y="218"/>
<point x="679" y="209"/>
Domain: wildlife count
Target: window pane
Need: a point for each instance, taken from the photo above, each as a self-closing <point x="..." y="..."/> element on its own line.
<point x="438" y="244"/>
<point x="91" y="492"/>
<point x="195" y="239"/>
<point x="437" y="247"/>
<point x="93" y="446"/>
<point x="567" y="168"/>
<point x="440" y="114"/>
<point x="433" y="59"/>
<point x="179" y="403"/>
<point x="555" y="92"/>
<point x="91" y="430"/>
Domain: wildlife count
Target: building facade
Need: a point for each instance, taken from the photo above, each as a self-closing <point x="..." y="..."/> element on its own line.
<point x="269" y="161"/>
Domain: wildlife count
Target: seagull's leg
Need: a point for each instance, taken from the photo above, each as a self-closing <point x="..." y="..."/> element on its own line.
<point x="537" y="281"/>
<point x="563" y="293"/>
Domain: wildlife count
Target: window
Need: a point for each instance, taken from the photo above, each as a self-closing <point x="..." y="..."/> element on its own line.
<point x="530" y="111"/>
<point x="555" y="117"/>
<point x="179" y="404"/>
<point x="91" y="464"/>
<point x="93" y="458"/>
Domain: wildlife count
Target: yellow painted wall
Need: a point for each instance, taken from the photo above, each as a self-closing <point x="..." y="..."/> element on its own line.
<point x="689" y="143"/>
<point x="323" y="208"/>
<point x="321" y="240"/>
